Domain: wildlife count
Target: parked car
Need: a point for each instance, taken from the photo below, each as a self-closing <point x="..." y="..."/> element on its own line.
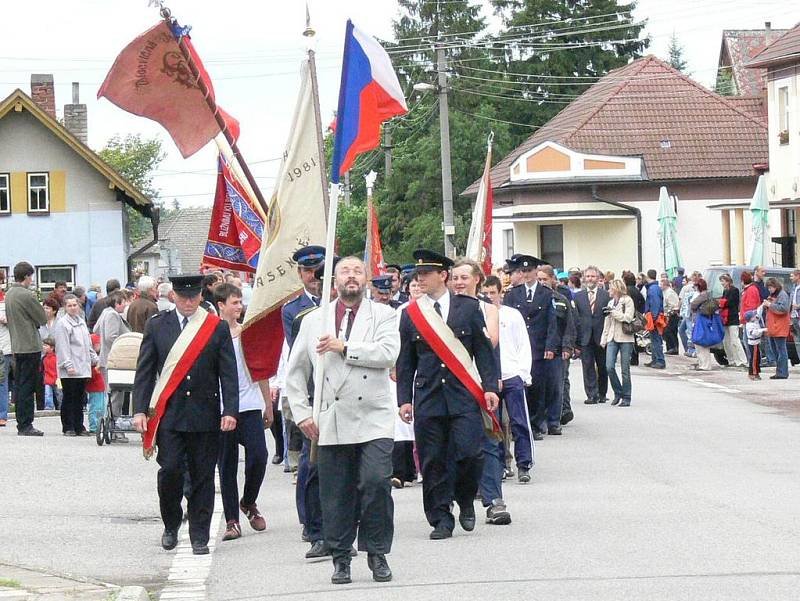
<point x="711" y="276"/>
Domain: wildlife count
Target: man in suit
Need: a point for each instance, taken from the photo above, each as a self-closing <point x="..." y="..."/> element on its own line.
<point x="355" y="424"/>
<point x="188" y="429"/>
<point x="448" y="424"/>
<point x="535" y="302"/>
<point x="589" y="304"/>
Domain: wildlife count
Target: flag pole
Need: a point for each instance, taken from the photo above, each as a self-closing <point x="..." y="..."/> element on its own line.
<point x="330" y="238"/>
<point x="166" y="14"/>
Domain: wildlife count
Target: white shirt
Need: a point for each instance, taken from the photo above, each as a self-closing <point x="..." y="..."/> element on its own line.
<point x="250" y="397"/>
<point x="515" y="345"/>
<point x="311" y="297"/>
<point x="530" y="288"/>
<point x="444" y="304"/>
<point x="180" y="319"/>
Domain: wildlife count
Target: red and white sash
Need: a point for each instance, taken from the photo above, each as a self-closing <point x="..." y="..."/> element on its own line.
<point x="453" y="354"/>
<point x="187" y="348"/>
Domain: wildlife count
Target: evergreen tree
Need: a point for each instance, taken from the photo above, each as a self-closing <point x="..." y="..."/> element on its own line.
<point x="676" y="60"/>
<point x="724" y="85"/>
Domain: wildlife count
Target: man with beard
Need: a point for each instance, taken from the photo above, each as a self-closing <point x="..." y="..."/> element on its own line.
<point x="358" y="343"/>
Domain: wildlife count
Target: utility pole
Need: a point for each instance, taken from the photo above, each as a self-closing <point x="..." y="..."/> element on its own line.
<point x="448" y="224"/>
<point x="387" y="151"/>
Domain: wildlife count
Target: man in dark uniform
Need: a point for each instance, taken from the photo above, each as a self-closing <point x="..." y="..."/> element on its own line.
<point x="549" y="417"/>
<point x="188" y="431"/>
<point x="397" y="279"/>
<point x="448" y="424"/>
<point x="535" y="302"/>
<point x="382" y="290"/>
<point x="309" y="259"/>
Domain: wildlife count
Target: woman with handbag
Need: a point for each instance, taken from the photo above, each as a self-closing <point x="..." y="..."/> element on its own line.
<point x="708" y="329"/>
<point x="778" y="325"/>
<point x="617" y="339"/>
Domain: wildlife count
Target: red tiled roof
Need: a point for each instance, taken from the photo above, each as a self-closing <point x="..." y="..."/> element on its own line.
<point x="629" y="111"/>
<point x="741" y="45"/>
<point x="786" y="49"/>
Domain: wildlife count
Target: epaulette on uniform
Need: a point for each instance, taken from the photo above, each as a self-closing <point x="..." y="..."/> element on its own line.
<point x="306" y="311"/>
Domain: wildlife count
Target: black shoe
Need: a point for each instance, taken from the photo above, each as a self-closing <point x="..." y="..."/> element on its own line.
<point x="625" y="404"/>
<point x="277" y="459"/>
<point x="590" y="402"/>
<point x="318" y="550"/>
<point x="671" y="352"/>
<point x="537" y="435"/>
<point x="659" y="366"/>
<point x="466" y="517"/>
<point x="30" y="431"/>
<point x="777" y="377"/>
<point x="70" y="433"/>
<point x="602" y="399"/>
<point x="440" y="532"/>
<point x="199" y="549"/>
<point x="567" y="417"/>
<point x="341" y="572"/>
<point x="381" y="572"/>
<point x="524" y="476"/>
<point x="169" y="540"/>
<point x="554" y="430"/>
<point x="287" y="469"/>
<point x="616" y="400"/>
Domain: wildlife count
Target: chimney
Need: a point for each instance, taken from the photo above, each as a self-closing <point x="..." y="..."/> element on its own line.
<point x="43" y="92"/>
<point x="767" y="31"/>
<point x="75" y="119"/>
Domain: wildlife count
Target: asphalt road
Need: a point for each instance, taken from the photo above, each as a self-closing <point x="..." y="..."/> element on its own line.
<point x="691" y="493"/>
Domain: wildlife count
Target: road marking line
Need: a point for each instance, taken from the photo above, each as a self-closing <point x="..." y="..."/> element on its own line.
<point x="188" y="573"/>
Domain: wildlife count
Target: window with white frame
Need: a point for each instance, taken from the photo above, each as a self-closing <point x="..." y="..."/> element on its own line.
<point x="783" y="114"/>
<point x="5" y="193"/>
<point x="48" y="275"/>
<point x="38" y="193"/>
<point x="508" y="243"/>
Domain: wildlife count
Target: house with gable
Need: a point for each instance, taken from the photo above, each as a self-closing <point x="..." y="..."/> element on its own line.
<point x="584" y="188"/>
<point x="61" y="205"/>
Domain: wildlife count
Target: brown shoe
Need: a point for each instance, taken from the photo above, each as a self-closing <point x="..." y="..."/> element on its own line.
<point x="232" y="530"/>
<point x="257" y="521"/>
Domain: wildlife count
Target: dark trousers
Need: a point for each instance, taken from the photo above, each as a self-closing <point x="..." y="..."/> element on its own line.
<point x="72" y="404"/>
<point x="491" y="482"/>
<point x="671" y="333"/>
<point x="519" y="420"/>
<point x="26" y="369"/>
<point x="307" y="494"/>
<point x="277" y="430"/>
<point x="549" y="412"/>
<point x="535" y="393"/>
<point x="403" y="467"/>
<point x="198" y="450"/>
<point x="249" y="433"/>
<point x="754" y="360"/>
<point x="356" y="493"/>
<point x="595" y="377"/>
<point x="440" y="440"/>
<point x="566" y="401"/>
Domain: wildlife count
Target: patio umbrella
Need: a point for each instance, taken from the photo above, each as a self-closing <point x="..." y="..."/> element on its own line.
<point x="759" y="231"/>
<point x="668" y="234"/>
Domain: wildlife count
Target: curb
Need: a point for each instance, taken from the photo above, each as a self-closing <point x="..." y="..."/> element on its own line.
<point x="132" y="593"/>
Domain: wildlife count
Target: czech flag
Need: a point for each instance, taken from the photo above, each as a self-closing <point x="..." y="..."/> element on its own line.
<point x="369" y="94"/>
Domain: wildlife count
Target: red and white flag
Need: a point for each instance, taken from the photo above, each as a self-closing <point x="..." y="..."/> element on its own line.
<point x="479" y="243"/>
<point x="151" y="78"/>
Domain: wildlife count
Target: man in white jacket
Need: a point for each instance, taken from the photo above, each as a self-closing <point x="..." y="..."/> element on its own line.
<point x="355" y="427"/>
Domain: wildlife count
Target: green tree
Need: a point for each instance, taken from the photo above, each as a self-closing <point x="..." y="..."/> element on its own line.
<point x="136" y="159"/>
<point x="675" y="51"/>
<point x="724" y="85"/>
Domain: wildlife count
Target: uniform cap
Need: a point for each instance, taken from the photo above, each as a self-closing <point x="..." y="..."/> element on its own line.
<point x="320" y="271"/>
<point x="187" y="284"/>
<point x="429" y="260"/>
<point x="383" y="283"/>
<point x="309" y="256"/>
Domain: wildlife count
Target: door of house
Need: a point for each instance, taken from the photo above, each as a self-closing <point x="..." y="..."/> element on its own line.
<point x="551" y="242"/>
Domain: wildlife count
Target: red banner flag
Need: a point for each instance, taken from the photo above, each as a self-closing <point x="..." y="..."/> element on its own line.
<point x="374" y="248"/>
<point x="151" y="78"/>
<point x="236" y="229"/>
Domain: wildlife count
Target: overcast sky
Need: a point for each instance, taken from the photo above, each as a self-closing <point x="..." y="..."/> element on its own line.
<point x="252" y="50"/>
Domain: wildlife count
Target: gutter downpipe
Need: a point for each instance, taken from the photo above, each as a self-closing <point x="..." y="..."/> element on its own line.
<point x="628" y="209"/>
<point x="155" y="218"/>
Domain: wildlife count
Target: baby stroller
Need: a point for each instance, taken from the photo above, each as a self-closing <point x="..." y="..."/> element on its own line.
<point x="121" y="370"/>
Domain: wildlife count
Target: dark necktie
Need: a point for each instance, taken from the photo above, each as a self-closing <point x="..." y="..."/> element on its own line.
<point x="438" y="308"/>
<point x="184" y="322"/>
<point x="315" y="300"/>
<point x="346" y="325"/>
<point x="530" y="295"/>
